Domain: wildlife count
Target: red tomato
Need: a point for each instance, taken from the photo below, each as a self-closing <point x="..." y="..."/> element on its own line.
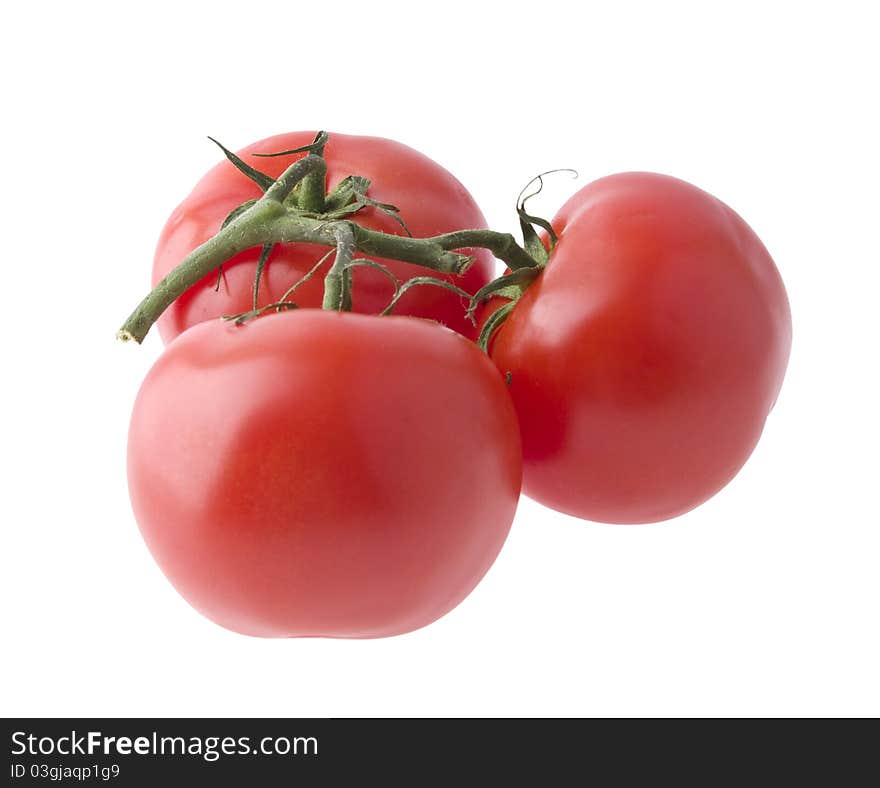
<point x="324" y="474"/>
<point x="430" y="199"/>
<point x="645" y="358"/>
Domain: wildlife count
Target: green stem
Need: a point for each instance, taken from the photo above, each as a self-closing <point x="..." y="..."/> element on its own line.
<point x="337" y="282"/>
<point x="502" y="245"/>
<point x="292" y="228"/>
<point x="309" y="167"/>
<point x="273" y="220"/>
<point x="312" y="190"/>
<point x="237" y="236"/>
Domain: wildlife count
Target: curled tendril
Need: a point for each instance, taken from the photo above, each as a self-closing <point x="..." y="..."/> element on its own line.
<point x="539" y="179"/>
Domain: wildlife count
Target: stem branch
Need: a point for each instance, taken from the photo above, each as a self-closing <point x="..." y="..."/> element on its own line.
<point x="502" y="245"/>
<point x="337" y="282"/>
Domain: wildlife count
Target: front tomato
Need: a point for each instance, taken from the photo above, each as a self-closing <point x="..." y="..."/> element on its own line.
<point x="430" y="199"/>
<point x="645" y="358"/>
<point x="324" y="474"/>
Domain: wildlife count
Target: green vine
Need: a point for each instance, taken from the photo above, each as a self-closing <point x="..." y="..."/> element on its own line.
<point x="295" y="208"/>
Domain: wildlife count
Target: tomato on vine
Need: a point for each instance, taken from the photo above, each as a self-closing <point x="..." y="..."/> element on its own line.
<point x="324" y="473"/>
<point x="644" y="358"/>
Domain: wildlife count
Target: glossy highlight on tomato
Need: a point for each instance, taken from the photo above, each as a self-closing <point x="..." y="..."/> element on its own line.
<point x="645" y="358"/>
<point x="431" y="202"/>
<point x="315" y="473"/>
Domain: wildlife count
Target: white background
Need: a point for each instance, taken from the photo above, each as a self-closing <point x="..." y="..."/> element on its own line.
<point x="762" y="602"/>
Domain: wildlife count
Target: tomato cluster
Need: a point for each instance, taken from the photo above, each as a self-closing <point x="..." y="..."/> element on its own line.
<point x="326" y="473"/>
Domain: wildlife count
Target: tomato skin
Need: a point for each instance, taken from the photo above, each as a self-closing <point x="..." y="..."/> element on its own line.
<point x="430" y="199"/>
<point x="324" y="474"/>
<point x="645" y="358"/>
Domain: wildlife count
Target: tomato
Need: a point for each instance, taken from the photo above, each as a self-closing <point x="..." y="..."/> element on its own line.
<point x="430" y="199"/>
<point x="645" y="358"/>
<point x="318" y="473"/>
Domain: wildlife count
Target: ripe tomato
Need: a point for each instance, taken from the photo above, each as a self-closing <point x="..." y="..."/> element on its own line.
<point x="645" y="358"/>
<point x="430" y="199"/>
<point x="323" y="473"/>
